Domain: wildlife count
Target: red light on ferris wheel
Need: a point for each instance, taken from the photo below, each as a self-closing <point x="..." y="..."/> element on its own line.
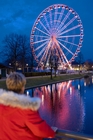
<point x="70" y="10"/>
<point x="58" y="6"/>
<point x="54" y="6"/>
<point x="78" y="50"/>
<point x="72" y="58"/>
<point x="76" y="16"/>
<point x="80" y="45"/>
<point x="76" y="55"/>
<point x="73" y="12"/>
<point x="63" y="6"/>
<point x="66" y="7"/>
<point x="81" y="40"/>
<point x="69" y="62"/>
<point x="51" y="8"/>
<point x="38" y="19"/>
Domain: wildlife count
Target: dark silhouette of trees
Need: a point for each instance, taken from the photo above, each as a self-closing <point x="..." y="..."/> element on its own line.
<point x="56" y="63"/>
<point x="89" y="64"/>
<point x="11" y="49"/>
<point x="25" y="51"/>
<point x="80" y="60"/>
<point x="53" y="62"/>
<point x="16" y="50"/>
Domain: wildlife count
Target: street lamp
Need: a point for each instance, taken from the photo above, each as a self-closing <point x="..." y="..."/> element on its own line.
<point x="27" y="67"/>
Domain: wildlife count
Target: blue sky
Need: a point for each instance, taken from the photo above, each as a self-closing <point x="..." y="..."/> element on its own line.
<point x="19" y="16"/>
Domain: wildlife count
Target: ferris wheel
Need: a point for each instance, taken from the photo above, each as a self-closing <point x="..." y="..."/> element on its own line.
<point x="57" y="30"/>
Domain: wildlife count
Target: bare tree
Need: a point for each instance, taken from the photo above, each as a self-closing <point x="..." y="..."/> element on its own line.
<point x="1" y="55"/>
<point x="16" y="50"/>
<point x="56" y="63"/>
<point x="88" y="65"/>
<point x="25" y="51"/>
<point x="53" y="62"/>
<point x="80" y="60"/>
<point x="11" y="49"/>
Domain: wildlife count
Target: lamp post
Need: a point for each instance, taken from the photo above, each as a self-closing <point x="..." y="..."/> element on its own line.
<point x="9" y="64"/>
<point x="27" y="67"/>
<point x="8" y="70"/>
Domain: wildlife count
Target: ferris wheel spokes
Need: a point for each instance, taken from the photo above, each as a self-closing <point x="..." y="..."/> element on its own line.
<point x="66" y="60"/>
<point x="55" y="16"/>
<point x="68" y="30"/>
<point x="47" y="22"/>
<point x="69" y="36"/>
<point x="69" y="42"/>
<point x="41" y="46"/>
<point x="50" y="18"/>
<point x="44" y="27"/>
<point x="40" y="53"/>
<point x="45" y="53"/>
<point x="60" y="16"/>
<point x="42" y="31"/>
<point x="65" y="48"/>
<point x="65" y="26"/>
<point x="64" y="20"/>
<point x="41" y="41"/>
<point x="61" y="60"/>
<point x="41" y="36"/>
<point x="62" y="54"/>
<point x="48" y="51"/>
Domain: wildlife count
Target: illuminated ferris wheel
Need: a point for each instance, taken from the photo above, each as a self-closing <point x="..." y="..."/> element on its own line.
<point x="57" y="30"/>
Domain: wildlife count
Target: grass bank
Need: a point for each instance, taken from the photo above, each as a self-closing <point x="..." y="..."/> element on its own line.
<point x="38" y="81"/>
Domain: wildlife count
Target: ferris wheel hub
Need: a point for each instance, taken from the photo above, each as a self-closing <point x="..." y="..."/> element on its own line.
<point x="53" y="38"/>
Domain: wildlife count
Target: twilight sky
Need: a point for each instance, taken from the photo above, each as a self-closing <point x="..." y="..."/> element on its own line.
<point x="19" y="16"/>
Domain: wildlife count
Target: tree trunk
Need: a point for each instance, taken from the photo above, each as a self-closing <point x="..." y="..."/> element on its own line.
<point x="55" y="72"/>
<point x="51" y="72"/>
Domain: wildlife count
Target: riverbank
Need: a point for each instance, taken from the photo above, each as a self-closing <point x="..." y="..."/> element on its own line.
<point x="44" y="80"/>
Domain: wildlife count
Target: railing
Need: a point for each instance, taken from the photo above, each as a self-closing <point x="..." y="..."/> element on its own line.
<point x="69" y="135"/>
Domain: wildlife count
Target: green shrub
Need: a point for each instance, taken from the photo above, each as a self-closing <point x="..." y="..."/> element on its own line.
<point x="63" y="72"/>
<point x="29" y="74"/>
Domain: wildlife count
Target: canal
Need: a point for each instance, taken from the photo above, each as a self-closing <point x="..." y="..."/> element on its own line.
<point x="67" y="105"/>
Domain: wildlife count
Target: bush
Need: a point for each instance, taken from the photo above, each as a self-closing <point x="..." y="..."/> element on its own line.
<point x="63" y="72"/>
<point x="30" y="74"/>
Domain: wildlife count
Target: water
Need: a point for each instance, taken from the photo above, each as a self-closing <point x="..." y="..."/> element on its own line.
<point x="67" y="105"/>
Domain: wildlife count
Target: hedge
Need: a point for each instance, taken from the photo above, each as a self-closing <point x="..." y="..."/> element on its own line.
<point x="29" y="74"/>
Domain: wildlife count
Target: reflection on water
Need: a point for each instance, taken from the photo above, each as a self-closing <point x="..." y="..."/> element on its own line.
<point x="66" y="105"/>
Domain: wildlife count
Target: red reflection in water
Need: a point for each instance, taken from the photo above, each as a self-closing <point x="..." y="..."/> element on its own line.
<point x="62" y="106"/>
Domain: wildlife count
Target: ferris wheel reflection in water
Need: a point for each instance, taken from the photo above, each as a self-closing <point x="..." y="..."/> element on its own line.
<point x="61" y="105"/>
